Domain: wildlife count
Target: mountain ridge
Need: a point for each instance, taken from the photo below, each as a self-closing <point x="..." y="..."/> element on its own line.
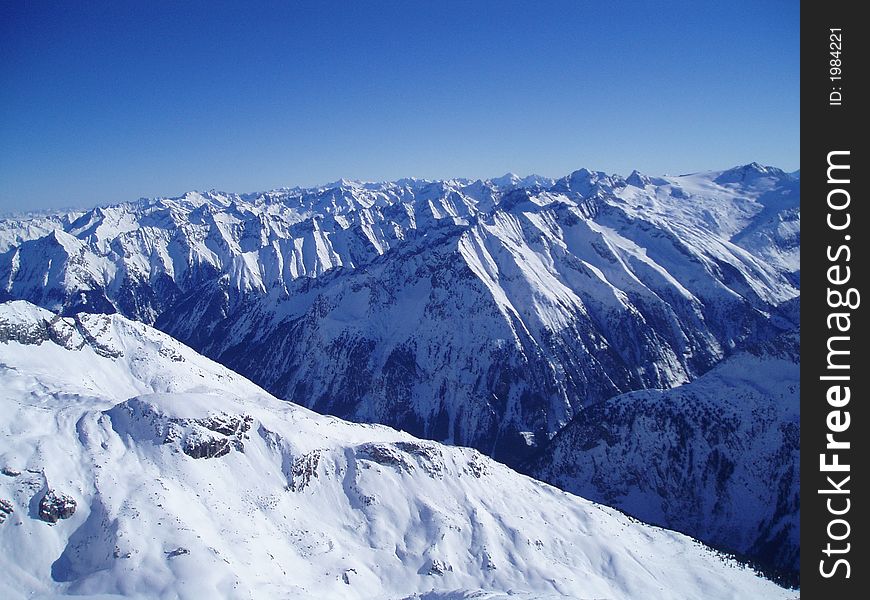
<point x="186" y="478"/>
<point x="588" y="258"/>
<point x="456" y="310"/>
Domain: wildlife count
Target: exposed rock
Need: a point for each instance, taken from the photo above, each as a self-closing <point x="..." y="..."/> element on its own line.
<point x="197" y="445"/>
<point x="227" y="424"/>
<point x="90" y="327"/>
<point x="439" y="567"/>
<point x="180" y="551"/>
<point x="476" y="466"/>
<point x="428" y="456"/>
<point x="396" y="455"/>
<point x="31" y="333"/>
<point x="210" y="437"/>
<point x="385" y="454"/>
<point x="345" y="577"/>
<point x="55" y="505"/>
<point x="5" y="509"/>
<point x="303" y="470"/>
<point x="10" y="472"/>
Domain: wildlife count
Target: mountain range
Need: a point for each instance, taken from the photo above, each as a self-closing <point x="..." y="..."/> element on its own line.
<point x="508" y="315"/>
<point x="133" y="466"/>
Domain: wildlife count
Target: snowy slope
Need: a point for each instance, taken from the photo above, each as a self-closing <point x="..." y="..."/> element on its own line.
<point x="347" y="297"/>
<point x="190" y="481"/>
<point x="718" y="457"/>
<point x="17" y="229"/>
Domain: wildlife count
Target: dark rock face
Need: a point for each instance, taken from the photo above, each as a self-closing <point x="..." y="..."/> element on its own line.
<point x="206" y="448"/>
<point x="385" y="454"/>
<point x="55" y="505"/>
<point x="211" y="437"/>
<point x="717" y="458"/>
<point x="6" y="509"/>
<point x="405" y="456"/>
<point x="303" y="470"/>
<point x="180" y="551"/>
<point x="439" y="567"/>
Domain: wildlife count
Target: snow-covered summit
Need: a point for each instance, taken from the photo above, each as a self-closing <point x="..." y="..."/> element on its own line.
<point x="749" y="173"/>
<point x="512" y="180"/>
<point x="177" y="477"/>
<point x="345" y="298"/>
<point x="466" y="312"/>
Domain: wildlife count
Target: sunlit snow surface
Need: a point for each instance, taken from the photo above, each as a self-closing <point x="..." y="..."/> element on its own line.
<point x="300" y="506"/>
<point x="480" y="313"/>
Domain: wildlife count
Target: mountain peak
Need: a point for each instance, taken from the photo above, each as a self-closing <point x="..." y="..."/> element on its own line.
<point x="22" y="312"/>
<point x="344" y="184"/>
<point x="583" y="182"/>
<point x="637" y="179"/>
<point x="512" y="180"/>
<point x="748" y="173"/>
<point x="508" y="179"/>
<point x="59" y="237"/>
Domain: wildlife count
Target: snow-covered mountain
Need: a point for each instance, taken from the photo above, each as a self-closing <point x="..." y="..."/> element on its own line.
<point x="478" y="313"/>
<point x="132" y="465"/>
<point x="483" y="313"/>
<point x="719" y="456"/>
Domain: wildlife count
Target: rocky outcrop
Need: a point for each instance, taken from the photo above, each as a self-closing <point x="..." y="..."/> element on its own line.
<point x="385" y="454"/>
<point x="55" y="506"/>
<point x="439" y="567"/>
<point x="303" y="470"/>
<point x="197" y="445"/>
<point x="210" y="437"/>
<point x="6" y="509"/>
<point x="213" y="436"/>
<point x="180" y="551"/>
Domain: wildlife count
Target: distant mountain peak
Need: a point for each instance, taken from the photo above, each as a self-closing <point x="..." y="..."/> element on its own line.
<point x="748" y="173"/>
<point x="512" y="180"/>
<point x="637" y="179"/>
<point x="456" y="310"/>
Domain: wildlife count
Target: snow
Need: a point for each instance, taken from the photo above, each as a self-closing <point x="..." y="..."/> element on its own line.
<point x="136" y="237"/>
<point x="484" y="313"/>
<point x="301" y="506"/>
<point x="718" y="456"/>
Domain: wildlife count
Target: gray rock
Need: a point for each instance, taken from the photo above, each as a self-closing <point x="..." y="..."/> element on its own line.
<point x="385" y="454"/>
<point x="55" y="505"/>
<point x="199" y="447"/>
<point x="439" y="567"/>
<point x="304" y="469"/>
<point x="5" y="509"/>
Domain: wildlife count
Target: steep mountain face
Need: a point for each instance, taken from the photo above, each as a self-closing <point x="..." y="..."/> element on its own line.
<point x="483" y="313"/>
<point x="132" y="465"/>
<point x="718" y="456"/>
<point x="15" y="230"/>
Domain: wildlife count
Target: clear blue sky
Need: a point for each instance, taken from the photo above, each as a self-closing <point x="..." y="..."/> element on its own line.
<point x="109" y="101"/>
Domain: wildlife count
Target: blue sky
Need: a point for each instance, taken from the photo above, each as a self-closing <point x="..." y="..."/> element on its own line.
<point x="109" y="101"/>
